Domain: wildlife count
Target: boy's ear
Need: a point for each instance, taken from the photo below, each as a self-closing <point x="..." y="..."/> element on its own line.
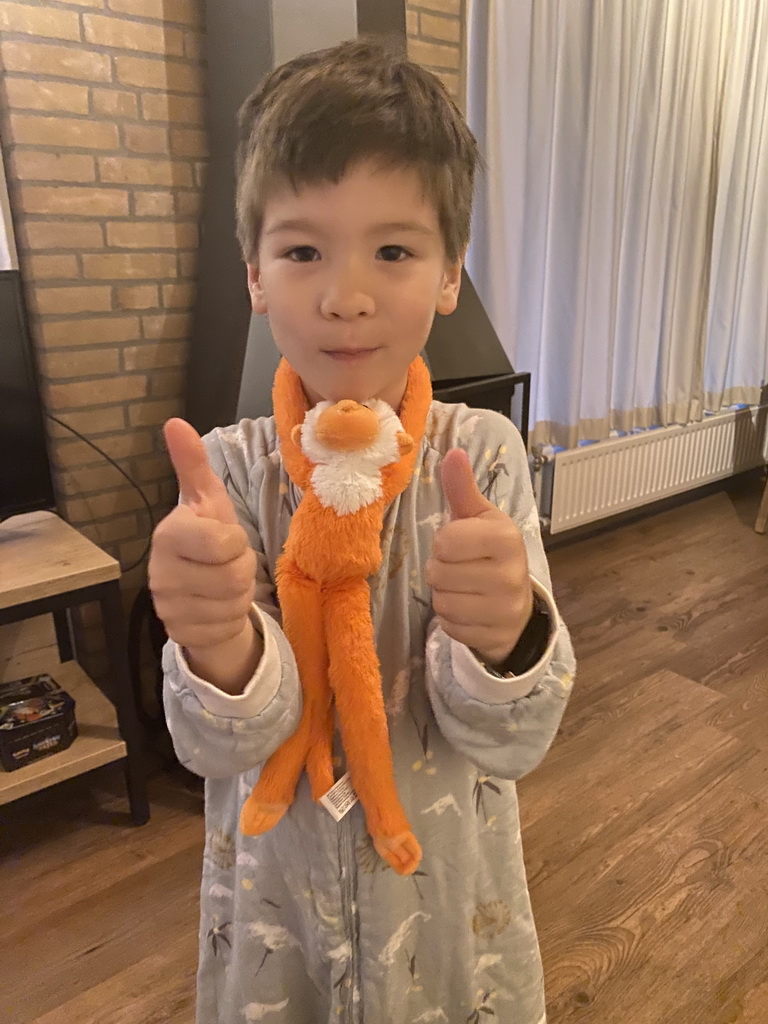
<point x="449" y="291"/>
<point x="255" y="289"/>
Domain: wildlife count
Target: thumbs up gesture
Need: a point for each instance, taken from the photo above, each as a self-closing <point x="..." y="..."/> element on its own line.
<point x="202" y="568"/>
<point x="481" y="590"/>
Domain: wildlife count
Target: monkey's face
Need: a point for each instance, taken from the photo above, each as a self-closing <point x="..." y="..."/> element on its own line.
<point x="351" y="274"/>
<point x="349" y="444"/>
<point x="347" y="426"/>
<point x="350" y="434"/>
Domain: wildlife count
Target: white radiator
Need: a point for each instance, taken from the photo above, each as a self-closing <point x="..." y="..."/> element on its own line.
<point x="614" y="476"/>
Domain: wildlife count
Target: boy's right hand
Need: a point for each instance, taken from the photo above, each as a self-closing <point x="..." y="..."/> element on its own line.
<point x="202" y="568"/>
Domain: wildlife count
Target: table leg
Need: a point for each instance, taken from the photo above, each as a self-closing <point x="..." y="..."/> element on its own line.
<point x="125" y="702"/>
<point x="63" y="635"/>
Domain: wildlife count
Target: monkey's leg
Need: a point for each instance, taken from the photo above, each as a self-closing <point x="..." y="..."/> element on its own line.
<point x="356" y="682"/>
<point x="320" y="756"/>
<point x="303" y="626"/>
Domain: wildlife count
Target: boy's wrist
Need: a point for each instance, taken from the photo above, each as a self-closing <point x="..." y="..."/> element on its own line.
<point x="229" y="666"/>
<point x="530" y="647"/>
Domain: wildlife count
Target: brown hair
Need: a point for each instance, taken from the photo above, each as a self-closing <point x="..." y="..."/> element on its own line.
<point x="314" y="116"/>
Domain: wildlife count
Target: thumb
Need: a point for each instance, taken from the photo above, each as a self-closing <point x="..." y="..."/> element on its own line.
<point x="460" y="487"/>
<point x="199" y="486"/>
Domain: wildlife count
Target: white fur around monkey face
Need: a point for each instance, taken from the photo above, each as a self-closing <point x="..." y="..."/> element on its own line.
<point x="348" y="481"/>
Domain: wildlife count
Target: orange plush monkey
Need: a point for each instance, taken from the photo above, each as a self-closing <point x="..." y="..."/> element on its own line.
<point x="351" y="461"/>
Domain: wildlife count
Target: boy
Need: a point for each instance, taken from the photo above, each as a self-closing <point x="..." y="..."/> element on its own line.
<point x="354" y="203"/>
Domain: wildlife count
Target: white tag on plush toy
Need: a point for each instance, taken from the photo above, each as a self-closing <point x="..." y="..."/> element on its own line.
<point x="340" y="799"/>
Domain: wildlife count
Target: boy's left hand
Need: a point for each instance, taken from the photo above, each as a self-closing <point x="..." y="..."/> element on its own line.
<point x="481" y="590"/>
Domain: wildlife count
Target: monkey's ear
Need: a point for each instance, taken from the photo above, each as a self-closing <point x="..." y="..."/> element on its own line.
<point x="404" y="442"/>
<point x="296" y="435"/>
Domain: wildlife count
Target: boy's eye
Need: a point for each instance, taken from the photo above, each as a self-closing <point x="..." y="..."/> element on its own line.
<point x="303" y="254"/>
<point x="393" y="253"/>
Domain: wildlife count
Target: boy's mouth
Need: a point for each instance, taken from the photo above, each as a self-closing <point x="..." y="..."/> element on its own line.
<point x="350" y="355"/>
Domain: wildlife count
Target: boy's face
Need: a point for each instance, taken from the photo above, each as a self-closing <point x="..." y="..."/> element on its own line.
<point x="351" y="275"/>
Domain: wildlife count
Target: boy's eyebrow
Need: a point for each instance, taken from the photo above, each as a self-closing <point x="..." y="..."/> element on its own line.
<point x="403" y="225"/>
<point x="291" y="225"/>
<point x="308" y="226"/>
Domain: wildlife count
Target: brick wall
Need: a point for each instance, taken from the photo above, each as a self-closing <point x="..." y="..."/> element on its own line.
<point x="102" y="114"/>
<point x="436" y="39"/>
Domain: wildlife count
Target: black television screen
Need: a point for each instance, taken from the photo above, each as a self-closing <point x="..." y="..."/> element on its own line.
<point x="25" y="472"/>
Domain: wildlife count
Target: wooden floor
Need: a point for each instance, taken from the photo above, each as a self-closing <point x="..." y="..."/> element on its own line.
<point x="98" y="920"/>
<point x="646" y="828"/>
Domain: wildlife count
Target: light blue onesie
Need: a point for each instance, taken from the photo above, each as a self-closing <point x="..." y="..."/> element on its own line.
<point x="306" y="924"/>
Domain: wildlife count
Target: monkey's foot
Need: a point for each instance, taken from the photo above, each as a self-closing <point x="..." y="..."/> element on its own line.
<point x="257" y="818"/>
<point x="402" y="853"/>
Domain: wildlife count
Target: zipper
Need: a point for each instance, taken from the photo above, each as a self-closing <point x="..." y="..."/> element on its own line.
<point x="353" y="1012"/>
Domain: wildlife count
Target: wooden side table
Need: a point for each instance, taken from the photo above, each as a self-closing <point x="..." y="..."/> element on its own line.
<point x="47" y="566"/>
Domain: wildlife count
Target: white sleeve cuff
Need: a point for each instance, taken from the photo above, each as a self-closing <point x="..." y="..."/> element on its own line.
<point x="260" y="690"/>
<point x="476" y="681"/>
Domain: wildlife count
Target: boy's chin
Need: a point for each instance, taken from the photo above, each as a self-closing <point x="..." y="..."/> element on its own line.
<point x="393" y="396"/>
<point x="353" y="393"/>
<point x="340" y="390"/>
<point x="355" y="386"/>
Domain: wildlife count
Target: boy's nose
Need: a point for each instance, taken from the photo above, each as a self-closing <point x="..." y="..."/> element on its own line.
<point x="346" y="301"/>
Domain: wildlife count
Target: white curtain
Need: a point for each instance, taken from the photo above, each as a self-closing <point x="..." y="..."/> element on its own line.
<point x="620" y="241"/>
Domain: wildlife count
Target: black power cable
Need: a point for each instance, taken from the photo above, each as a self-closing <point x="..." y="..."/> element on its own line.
<point x="132" y="482"/>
